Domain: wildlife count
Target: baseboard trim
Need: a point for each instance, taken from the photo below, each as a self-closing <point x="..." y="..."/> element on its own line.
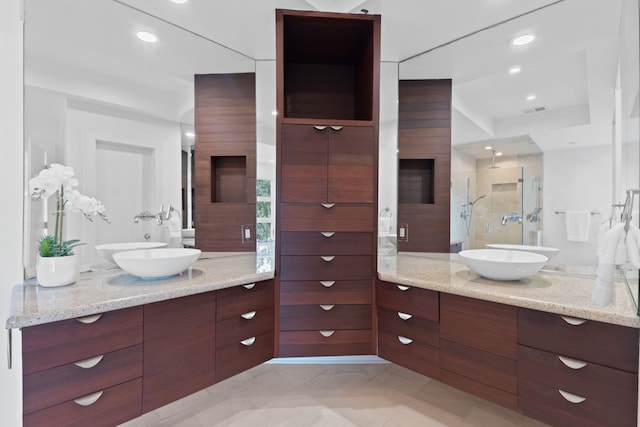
<point x="328" y="360"/>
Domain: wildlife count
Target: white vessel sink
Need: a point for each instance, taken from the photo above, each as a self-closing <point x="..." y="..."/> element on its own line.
<point x="156" y="263"/>
<point x="107" y="250"/>
<point x="502" y="264"/>
<point x="542" y="250"/>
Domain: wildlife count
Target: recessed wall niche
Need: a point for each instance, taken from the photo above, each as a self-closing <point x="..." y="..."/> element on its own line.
<point x="415" y="181"/>
<point x="229" y="174"/>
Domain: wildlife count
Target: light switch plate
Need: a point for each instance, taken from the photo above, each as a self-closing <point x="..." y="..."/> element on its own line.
<point x="403" y="232"/>
<point x="247" y="233"/>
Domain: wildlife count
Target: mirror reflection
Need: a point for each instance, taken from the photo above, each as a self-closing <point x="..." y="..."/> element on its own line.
<point x="540" y="136"/>
<point x="119" y="110"/>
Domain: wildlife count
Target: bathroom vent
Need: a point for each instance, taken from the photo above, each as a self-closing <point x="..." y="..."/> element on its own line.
<point x="535" y="110"/>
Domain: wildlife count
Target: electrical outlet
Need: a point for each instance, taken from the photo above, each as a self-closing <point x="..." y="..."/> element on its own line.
<point x="403" y="232"/>
<point x="247" y="233"/>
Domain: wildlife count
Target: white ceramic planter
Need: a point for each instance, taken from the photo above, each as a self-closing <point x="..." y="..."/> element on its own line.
<point x="58" y="271"/>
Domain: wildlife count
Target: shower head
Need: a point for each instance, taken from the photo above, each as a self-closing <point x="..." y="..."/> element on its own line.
<point x="478" y="198"/>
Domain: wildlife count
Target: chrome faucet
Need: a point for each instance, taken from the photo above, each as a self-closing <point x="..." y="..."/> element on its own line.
<point x="511" y="217"/>
<point x="159" y="217"/>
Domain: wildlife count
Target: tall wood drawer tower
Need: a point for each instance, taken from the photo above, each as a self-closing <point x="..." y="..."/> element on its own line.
<point x="328" y="76"/>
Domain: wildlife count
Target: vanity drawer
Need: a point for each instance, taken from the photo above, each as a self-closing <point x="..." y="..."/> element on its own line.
<point x="243" y="354"/>
<point x="235" y="301"/>
<point x="317" y="243"/>
<point x="59" y="343"/>
<point x="484" y="325"/>
<point x="324" y="316"/>
<point x="611" y="387"/>
<point x="338" y="267"/>
<point x="480" y="389"/>
<point x="409" y="326"/>
<point x="487" y="368"/>
<point x="408" y="299"/>
<point x="549" y="405"/>
<point x="67" y="382"/>
<point x="325" y="343"/>
<point x="315" y="217"/>
<point x="114" y="406"/>
<point x="246" y="325"/>
<point x="602" y="343"/>
<point x="413" y="355"/>
<point x="297" y="292"/>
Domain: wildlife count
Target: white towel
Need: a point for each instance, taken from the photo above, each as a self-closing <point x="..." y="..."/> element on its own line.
<point x="603" y="291"/>
<point x="578" y="224"/>
<point x="633" y="245"/>
<point x="384" y="225"/>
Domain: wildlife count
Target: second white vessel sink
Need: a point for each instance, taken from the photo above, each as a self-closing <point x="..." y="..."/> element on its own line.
<point x="156" y="263"/>
<point x="501" y="264"/>
<point x="542" y="250"/>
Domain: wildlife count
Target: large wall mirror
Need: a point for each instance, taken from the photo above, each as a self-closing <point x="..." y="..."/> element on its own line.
<point x="542" y="129"/>
<point x="120" y="111"/>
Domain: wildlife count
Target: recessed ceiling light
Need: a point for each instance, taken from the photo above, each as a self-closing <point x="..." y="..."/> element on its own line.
<point x="274" y="113"/>
<point x="146" y="36"/>
<point x="523" y="39"/>
<point x="499" y="153"/>
<point x="531" y="97"/>
<point x="179" y="1"/>
<point x="189" y="134"/>
<point x="488" y="147"/>
<point x="515" y="69"/>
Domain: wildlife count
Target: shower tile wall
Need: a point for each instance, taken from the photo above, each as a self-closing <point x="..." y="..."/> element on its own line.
<point x="503" y="188"/>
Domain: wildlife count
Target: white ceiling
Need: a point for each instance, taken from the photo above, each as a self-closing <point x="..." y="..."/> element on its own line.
<point x="87" y="50"/>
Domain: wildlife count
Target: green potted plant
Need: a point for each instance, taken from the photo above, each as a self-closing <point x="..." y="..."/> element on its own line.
<point x="57" y="265"/>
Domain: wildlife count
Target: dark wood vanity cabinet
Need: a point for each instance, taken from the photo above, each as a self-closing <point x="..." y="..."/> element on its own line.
<point x="408" y="327"/>
<point x="179" y="348"/>
<point x="84" y="371"/>
<point x="244" y="328"/>
<point x="327" y="145"/>
<point x="479" y="348"/>
<point x="577" y="372"/>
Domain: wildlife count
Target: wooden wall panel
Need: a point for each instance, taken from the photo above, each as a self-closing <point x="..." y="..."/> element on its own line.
<point x="225" y="123"/>
<point x="424" y="132"/>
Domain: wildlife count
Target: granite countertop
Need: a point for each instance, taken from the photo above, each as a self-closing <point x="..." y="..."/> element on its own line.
<point x="565" y="294"/>
<point x="113" y="289"/>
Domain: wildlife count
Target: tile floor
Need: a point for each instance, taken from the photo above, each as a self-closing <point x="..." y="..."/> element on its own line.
<point x="332" y="395"/>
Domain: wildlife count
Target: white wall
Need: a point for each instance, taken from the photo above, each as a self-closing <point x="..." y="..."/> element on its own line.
<point x="585" y="185"/>
<point x="388" y="141"/>
<point x="11" y="174"/>
<point x="153" y="145"/>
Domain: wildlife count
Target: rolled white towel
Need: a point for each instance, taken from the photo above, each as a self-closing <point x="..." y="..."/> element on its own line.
<point x="603" y="291"/>
<point x="633" y="245"/>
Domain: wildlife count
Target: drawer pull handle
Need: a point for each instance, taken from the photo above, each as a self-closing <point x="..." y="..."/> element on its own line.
<point x="572" y="363"/>
<point x="89" y="363"/>
<point x="328" y="283"/>
<point x="328" y="205"/>
<point x="404" y="340"/>
<point x="319" y="127"/>
<point x="337" y="128"/>
<point x="570" y="397"/>
<point x="403" y="288"/>
<point x="327" y="307"/>
<point x="326" y="334"/>
<point x="248" y="341"/>
<point x="404" y="316"/>
<point x="248" y="316"/>
<point x="573" y="320"/>
<point x="89" y="399"/>
<point x="89" y="319"/>
<point x="327" y="258"/>
<point x="249" y="286"/>
<point x="327" y="234"/>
